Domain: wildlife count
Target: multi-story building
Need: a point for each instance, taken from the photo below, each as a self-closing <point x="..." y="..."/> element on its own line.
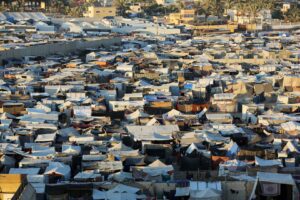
<point x="100" y="12"/>
<point x="28" y="4"/>
<point x="183" y="17"/>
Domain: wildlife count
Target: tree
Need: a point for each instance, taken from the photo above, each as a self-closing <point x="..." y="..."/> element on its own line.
<point x="121" y="6"/>
<point x="254" y="7"/>
<point x="277" y="14"/>
<point x="228" y="4"/>
<point x="21" y="4"/>
<point x="2" y="8"/>
<point x="76" y="8"/>
<point x="241" y="7"/>
<point x="58" y="6"/>
<point x="180" y="4"/>
<point x="199" y="9"/>
<point x="155" y="9"/>
<point x="213" y="7"/>
<point x="293" y="14"/>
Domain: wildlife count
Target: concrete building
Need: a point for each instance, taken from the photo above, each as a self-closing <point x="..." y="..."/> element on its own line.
<point x="184" y="16"/>
<point x="100" y="12"/>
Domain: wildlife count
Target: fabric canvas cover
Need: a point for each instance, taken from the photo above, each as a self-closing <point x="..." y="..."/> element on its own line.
<point x="270" y="189"/>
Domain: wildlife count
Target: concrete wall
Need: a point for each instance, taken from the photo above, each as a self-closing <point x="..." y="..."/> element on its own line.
<point x="58" y="48"/>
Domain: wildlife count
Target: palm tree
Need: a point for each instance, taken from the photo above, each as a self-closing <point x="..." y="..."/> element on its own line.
<point x="121" y="6"/>
<point x="293" y="14"/>
<point x="198" y="8"/>
<point x="253" y="6"/>
<point x="180" y="4"/>
<point x="21" y="4"/>
<point x="241" y="8"/>
<point x="213" y="7"/>
<point x="58" y="6"/>
<point x="228" y="4"/>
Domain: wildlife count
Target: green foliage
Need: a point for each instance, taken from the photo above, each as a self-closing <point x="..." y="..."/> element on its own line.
<point x="277" y="14"/>
<point x="122" y="7"/>
<point x="155" y="9"/>
<point x="293" y="14"/>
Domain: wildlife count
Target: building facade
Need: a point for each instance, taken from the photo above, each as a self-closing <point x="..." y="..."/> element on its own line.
<point x="100" y="12"/>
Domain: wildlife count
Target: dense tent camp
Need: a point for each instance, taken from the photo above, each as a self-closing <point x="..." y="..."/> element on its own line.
<point x="70" y="27"/>
<point x="36" y="16"/>
<point x="141" y="100"/>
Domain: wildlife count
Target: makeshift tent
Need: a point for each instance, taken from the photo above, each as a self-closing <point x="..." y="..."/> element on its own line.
<point x="60" y="169"/>
<point x="275" y="178"/>
<point x="191" y="149"/>
<point x="153" y="122"/>
<point x="153" y="133"/>
<point x="135" y="115"/>
<point x="46" y="137"/>
<point x="267" y="163"/>
<point x="157" y="168"/>
<point x="27" y="171"/>
<point x="207" y="194"/>
<point x="70" y="27"/>
<point x="122" y="192"/>
<point x="171" y="114"/>
<point x="71" y="149"/>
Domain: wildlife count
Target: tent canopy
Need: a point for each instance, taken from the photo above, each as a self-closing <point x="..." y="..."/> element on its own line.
<point x="286" y="179"/>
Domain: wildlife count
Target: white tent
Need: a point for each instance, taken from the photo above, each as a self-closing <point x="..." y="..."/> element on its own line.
<point x="232" y="148"/>
<point x="290" y="147"/>
<point x="191" y="149"/>
<point x="46" y="137"/>
<point x="120" y="147"/>
<point x="267" y="163"/>
<point x="207" y="194"/>
<point x="122" y="192"/>
<point x="2" y="17"/>
<point x="136" y="114"/>
<point x="59" y="169"/>
<point x="70" y="27"/>
<point x="86" y="175"/>
<point x="6" y="115"/>
<point x="43" y="27"/>
<point x="71" y="149"/>
<point x="120" y="176"/>
<point x="157" y="168"/>
<point x="153" y="122"/>
<point x="90" y="56"/>
<point x="153" y="133"/>
<point x="171" y="114"/>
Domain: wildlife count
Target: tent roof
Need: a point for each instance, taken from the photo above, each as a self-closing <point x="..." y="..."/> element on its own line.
<point x="27" y="171"/>
<point x="276" y="178"/>
<point x="192" y="148"/>
<point x="46" y="137"/>
<point x="157" y="163"/>
<point x="120" y="188"/>
<point x="205" y="194"/>
<point x="152" y="122"/>
<point x="158" y="133"/>
<point x="58" y="168"/>
<point x="6" y="115"/>
<point x="171" y="113"/>
<point x="264" y="163"/>
<point x="120" y="147"/>
<point x="136" y="114"/>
